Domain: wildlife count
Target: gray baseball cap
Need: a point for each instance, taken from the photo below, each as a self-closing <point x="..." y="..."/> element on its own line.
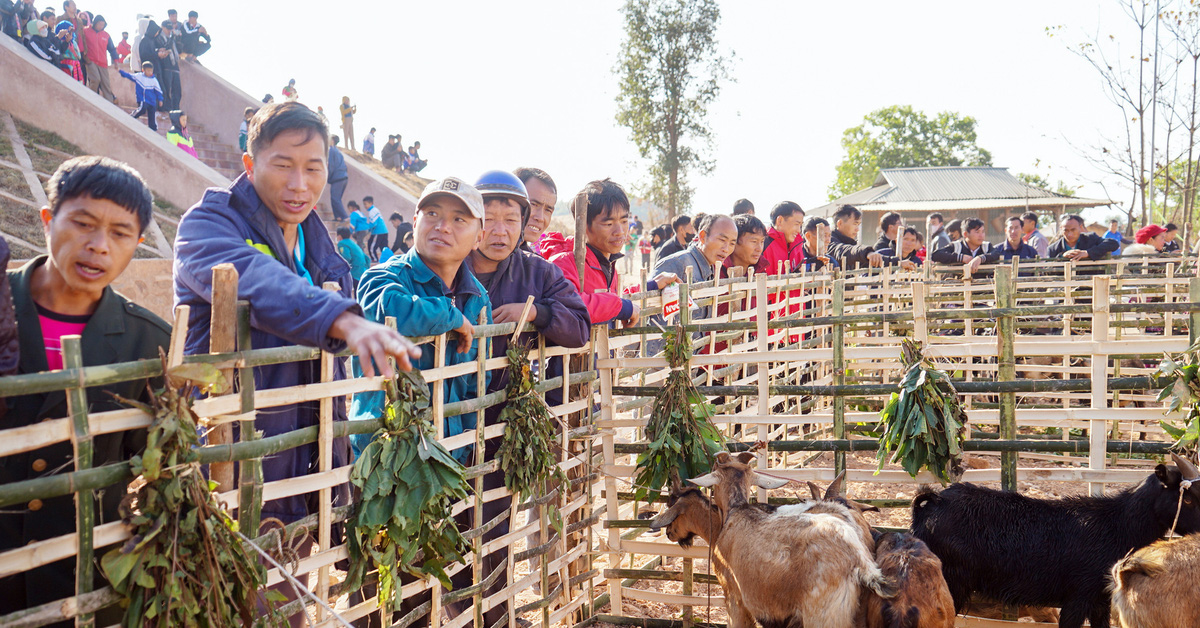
<point x="453" y="186"/>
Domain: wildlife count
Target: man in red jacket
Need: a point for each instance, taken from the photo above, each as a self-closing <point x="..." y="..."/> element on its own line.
<point x="607" y="231"/>
<point x="97" y="48"/>
<point x="783" y="243"/>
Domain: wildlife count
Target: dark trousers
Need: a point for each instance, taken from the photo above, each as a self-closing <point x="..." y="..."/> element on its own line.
<point x="149" y="109"/>
<point x="378" y="243"/>
<point x="172" y="88"/>
<point x="336" y="190"/>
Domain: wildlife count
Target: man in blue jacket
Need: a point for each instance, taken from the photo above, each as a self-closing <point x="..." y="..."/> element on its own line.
<point x="264" y="224"/>
<point x="431" y="291"/>
<point x="511" y="274"/>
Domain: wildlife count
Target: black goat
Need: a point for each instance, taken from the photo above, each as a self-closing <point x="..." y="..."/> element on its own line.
<point x="1050" y="552"/>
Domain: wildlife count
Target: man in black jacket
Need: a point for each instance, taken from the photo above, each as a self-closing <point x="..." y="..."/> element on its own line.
<point x="1076" y="243"/>
<point x="843" y="242"/>
<point x="971" y="250"/>
<point x="684" y="232"/>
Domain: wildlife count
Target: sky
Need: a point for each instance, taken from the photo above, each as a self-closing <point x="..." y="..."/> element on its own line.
<point x="497" y="85"/>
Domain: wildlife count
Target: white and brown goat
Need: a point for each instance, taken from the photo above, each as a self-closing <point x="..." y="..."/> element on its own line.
<point x="782" y="566"/>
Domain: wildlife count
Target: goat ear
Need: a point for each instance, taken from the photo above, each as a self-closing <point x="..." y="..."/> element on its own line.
<point x="835" y="489"/>
<point x="745" y="457"/>
<point x="722" y="457"/>
<point x="664" y="519"/>
<point x="860" y="507"/>
<point x="676" y="485"/>
<point x="1169" y="478"/>
<point x="766" y="482"/>
<point x="707" y="480"/>
<point x="815" y="490"/>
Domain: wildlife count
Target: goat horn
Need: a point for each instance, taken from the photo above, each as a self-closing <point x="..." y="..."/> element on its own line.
<point x="663" y="520"/>
<point x="1186" y="467"/>
<point x="706" y="480"/>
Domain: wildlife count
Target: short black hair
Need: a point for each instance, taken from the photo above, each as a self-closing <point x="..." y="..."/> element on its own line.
<point x="972" y="224"/>
<point x="913" y="231"/>
<point x="812" y="223"/>
<point x="396" y="216"/>
<point x="193" y="14"/>
<point x="103" y="179"/>
<point x="353" y="204"/>
<point x="147" y="64"/>
<point x="1076" y="217"/>
<point x="887" y="220"/>
<point x="1018" y="219"/>
<point x="343" y="232"/>
<point x="334" y="139"/>
<point x="66" y="4"/>
<point x="172" y="12"/>
<point x="954" y="225"/>
<point x="680" y="222"/>
<point x="784" y="209"/>
<point x="742" y="206"/>
<point x="369" y="200"/>
<point x="1030" y="216"/>
<point x="937" y="216"/>
<point x="276" y="118"/>
<point x="526" y="173"/>
<point x="846" y="211"/>
<point x="747" y="223"/>
<point x="603" y="196"/>
<point x="1171" y="227"/>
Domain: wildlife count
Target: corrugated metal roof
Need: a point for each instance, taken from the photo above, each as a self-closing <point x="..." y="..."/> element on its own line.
<point x="954" y="187"/>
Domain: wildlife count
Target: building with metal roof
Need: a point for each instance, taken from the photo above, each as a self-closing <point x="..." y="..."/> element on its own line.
<point x="963" y="192"/>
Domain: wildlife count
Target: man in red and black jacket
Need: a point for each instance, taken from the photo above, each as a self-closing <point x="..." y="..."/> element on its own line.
<point x="783" y="244"/>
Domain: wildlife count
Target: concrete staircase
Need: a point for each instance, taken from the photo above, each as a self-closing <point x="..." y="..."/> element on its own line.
<point x="219" y="156"/>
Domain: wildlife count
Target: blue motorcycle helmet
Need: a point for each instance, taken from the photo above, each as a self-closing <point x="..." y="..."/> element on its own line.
<point x="505" y="184"/>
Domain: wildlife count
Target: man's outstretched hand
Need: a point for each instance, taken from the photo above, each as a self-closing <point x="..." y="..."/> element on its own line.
<point x="374" y="343"/>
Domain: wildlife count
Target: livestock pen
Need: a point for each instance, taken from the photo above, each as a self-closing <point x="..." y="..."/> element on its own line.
<point x="1051" y="361"/>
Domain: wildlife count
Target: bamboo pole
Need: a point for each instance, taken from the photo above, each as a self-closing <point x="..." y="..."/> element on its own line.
<point x="222" y="338"/>
<point x="250" y="474"/>
<point x="839" y="372"/>
<point x="325" y="464"/>
<point x="579" y="209"/>
<point x="477" y="574"/>
<point x="1099" y="392"/>
<point x="764" y="369"/>
<point x="1007" y="373"/>
<point x="608" y="444"/>
<point x="85" y="505"/>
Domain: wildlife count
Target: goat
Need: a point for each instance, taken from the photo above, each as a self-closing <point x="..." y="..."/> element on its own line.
<point x="1050" y="552"/>
<point x="1155" y="587"/>
<point x="782" y="566"/>
<point x="922" y="599"/>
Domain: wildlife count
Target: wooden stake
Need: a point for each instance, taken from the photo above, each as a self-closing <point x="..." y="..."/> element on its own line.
<point x="325" y="463"/>
<point x="223" y="338"/>
<point x="85" y="504"/>
<point x="1007" y="373"/>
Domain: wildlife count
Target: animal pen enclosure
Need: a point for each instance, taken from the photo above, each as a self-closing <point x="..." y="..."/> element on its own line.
<point x="1034" y="349"/>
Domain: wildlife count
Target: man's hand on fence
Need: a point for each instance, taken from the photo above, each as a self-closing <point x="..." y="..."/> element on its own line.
<point x="907" y="265"/>
<point x="665" y="279"/>
<point x="1076" y="255"/>
<point x="875" y="259"/>
<point x="467" y="333"/>
<point x="632" y="321"/>
<point x="374" y="343"/>
<point x="510" y="312"/>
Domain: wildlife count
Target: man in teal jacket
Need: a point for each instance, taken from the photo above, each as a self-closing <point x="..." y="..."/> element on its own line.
<point x="430" y="291"/>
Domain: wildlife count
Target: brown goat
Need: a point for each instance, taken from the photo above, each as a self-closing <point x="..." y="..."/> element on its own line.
<point x="1155" y="587"/>
<point x="923" y="600"/>
<point x="780" y="566"/>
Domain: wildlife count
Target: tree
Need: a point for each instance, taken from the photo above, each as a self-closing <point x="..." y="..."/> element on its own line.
<point x="671" y="72"/>
<point x="899" y="137"/>
<point x="1038" y="181"/>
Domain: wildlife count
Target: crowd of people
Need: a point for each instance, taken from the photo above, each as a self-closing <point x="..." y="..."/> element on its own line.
<point x="476" y="250"/>
<point x="791" y="242"/>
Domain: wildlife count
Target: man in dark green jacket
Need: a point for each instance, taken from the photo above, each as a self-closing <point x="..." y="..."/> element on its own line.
<point x="98" y="209"/>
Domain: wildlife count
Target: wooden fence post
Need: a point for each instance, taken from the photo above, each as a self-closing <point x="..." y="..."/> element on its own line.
<point x="437" y="404"/>
<point x="1097" y="434"/>
<point x="325" y="464"/>
<point x="85" y="503"/>
<point x="477" y="572"/>
<point x="839" y="372"/>
<point x="613" y="505"/>
<point x="1194" y="317"/>
<point x="1007" y="373"/>
<point x="250" y="473"/>
<point x="222" y="339"/>
<point x="764" y="372"/>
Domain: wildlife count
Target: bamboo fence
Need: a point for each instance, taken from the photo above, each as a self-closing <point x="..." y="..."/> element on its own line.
<point x="550" y="583"/>
<point x="1051" y="360"/>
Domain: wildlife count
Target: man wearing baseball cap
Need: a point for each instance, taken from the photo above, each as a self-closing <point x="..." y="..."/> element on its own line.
<point x="431" y="291"/>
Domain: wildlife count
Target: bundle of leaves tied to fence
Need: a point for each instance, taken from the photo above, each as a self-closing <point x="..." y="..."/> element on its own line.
<point x="184" y="565"/>
<point x="1180" y="381"/>
<point x="682" y="438"/>
<point x="407" y="484"/>
<point x="924" y="423"/>
<point x="527" y="452"/>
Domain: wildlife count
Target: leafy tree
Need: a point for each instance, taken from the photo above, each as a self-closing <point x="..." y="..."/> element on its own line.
<point x="671" y="72"/>
<point x="1038" y="181"/>
<point x="899" y="137"/>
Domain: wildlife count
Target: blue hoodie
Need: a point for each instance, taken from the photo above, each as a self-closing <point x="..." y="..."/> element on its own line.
<point x="232" y="225"/>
